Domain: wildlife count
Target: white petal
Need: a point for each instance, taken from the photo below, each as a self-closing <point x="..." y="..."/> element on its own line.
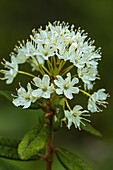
<point x="9" y="80"/>
<point x="77" y="108"/>
<point x="68" y="79"/>
<point x="40" y="59"/>
<point x="58" y="83"/>
<point x="45" y="81"/>
<point x="101" y="94"/>
<point x="92" y="106"/>
<point x="21" y="57"/>
<point x="68" y="94"/>
<point x="74" y="81"/>
<point x="21" y="91"/>
<point x="60" y="79"/>
<point x="29" y="87"/>
<point x="37" y="81"/>
<point x="74" y="90"/>
<point x="27" y="104"/>
<point x="59" y="91"/>
<point x="37" y="93"/>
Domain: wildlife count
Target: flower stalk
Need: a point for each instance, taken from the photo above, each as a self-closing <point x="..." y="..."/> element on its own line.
<point x="49" y="147"/>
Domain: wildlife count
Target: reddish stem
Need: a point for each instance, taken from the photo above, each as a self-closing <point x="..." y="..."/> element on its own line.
<point x="49" y="151"/>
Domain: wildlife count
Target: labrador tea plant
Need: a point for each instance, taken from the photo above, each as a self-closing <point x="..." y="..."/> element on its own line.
<point x="64" y="63"/>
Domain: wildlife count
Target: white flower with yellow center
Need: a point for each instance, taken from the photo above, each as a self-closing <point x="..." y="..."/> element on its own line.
<point x="75" y="116"/>
<point x="66" y="86"/>
<point x="10" y="74"/>
<point x="99" y="98"/>
<point x="24" y="97"/>
<point x="88" y="75"/>
<point x="25" y="51"/>
<point x="46" y="51"/>
<point x="44" y="89"/>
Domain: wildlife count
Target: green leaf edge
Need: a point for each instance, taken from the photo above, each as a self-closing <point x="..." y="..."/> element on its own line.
<point x="90" y="129"/>
<point x="9" y="144"/>
<point x="61" y="150"/>
<point x="33" y="149"/>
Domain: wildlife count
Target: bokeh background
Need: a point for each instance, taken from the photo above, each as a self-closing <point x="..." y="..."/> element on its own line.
<point x="17" y="19"/>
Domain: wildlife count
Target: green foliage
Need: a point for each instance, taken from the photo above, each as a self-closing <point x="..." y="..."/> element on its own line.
<point x="9" y="152"/>
<point x="9" y="149"/>
<point x="7" y="166"/>
<point x="90" y="129"/>
<point x="4" y="141"/>
<point x="71" y="161"/>
<point x="59" y="115"/>
<point x="33" y="142"/>
<point x="7" y="94"/>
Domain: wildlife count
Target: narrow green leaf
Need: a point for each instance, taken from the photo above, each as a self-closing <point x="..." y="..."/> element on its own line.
<point x="33" y="142"/>
<point x="9" y="149"/>
<point x="90" y="129"/>
<point x="5" y="141"/>
<point x="70" y="161"/>
<point x="7" y="94"/>
<point x="9" y="152"/>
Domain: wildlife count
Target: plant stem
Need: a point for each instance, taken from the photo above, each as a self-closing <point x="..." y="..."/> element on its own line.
<point x="49" y="149"/>
<point x="29" y="74"/>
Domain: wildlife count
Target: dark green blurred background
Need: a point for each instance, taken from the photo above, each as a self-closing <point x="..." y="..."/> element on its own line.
<point x="17" y="19"/>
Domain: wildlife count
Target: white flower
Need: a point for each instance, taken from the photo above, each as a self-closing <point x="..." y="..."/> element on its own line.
<point x="25" y="51"/>
<point x="67" y="44"/>
<point x="87" y="74"/>
<point x="99" y="98"/>
<point x="75" y="116"/>
<point x="24" y="97"/>
<point x="44" y="89"/>
<point x="66" y="86"/>
<point x="45" y="51"/>
<point x="10" y="74"/>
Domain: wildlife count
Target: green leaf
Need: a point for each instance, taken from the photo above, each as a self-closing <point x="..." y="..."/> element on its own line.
<point x="7" y="94"/>
<point x="9" y="149"/>
<point x="4" y="165"/>
<point x="9" y="152"/>
<point x="90" y="129"/>
<point x="70" y="161"/>
<point x="4" y="141"/>
<point x="33" y="142"/>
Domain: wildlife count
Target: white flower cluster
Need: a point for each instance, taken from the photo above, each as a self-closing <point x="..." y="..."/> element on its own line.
<point x="48" y="52"/>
